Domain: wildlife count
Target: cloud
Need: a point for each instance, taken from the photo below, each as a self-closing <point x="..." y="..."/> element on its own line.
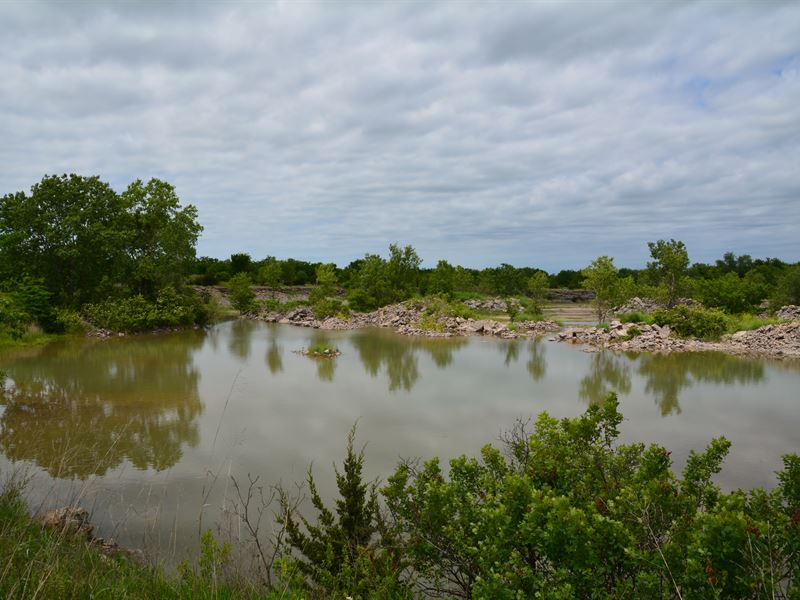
<point x="533" y="133"/>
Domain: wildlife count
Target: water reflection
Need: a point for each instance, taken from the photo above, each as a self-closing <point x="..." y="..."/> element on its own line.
<point x="667" y="375"/>
<point x="608" y="372"/>
<point x="537" y="363"/>
<point x="79" y="409"/>
<point x="240" y="338"/>
<point x="326" y="367"/>
<point x="397" y="356"/>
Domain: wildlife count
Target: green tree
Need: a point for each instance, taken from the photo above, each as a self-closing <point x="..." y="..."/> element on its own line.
<point x="402" y="271"/>
<point x="787" y="290"/>
<point x="163" y="236"/>
<point x="348" y="551"/>
<point x="670" y="262"/>
<point x="271" y="274"/>
<point x="442" y="279"/>
<point x="70" y="232"/>
<point x="241" y="262"/>
<point x="241" y="294"/>
<point x="601" y="278"/>
<point x="538" y="285"/>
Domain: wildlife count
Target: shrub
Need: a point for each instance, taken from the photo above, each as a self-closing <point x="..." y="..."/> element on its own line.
<point x="567" y="513"/>
<point x="328" y="307"/>
<point x="14" y="321"/>
<point x="170" y="309"/>
<point x="685" y="321"/>
<point x="241" y="295"/>
<point x="635" y="317"/>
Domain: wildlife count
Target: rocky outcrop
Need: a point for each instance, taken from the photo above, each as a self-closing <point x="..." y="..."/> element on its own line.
<point x="788" y="313"/>
<point x="647" y="306"/>
<point x="777" y="341"/>
<point x="492" y="304"/>
<point x="781" y="340"/>
<point x="564" y="295"/>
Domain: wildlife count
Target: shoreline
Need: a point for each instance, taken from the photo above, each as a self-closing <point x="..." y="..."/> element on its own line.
<point x="777" y="341"/>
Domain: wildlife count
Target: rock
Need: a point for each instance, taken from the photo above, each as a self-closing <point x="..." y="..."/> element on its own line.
<point x="71" y="518"/>
<point x="788" y="313"/>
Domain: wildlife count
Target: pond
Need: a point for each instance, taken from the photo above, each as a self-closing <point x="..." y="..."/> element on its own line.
<point x="147" y="431"/>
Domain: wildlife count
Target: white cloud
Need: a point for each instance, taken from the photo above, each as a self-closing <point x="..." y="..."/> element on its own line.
<point x="532" y="133"/>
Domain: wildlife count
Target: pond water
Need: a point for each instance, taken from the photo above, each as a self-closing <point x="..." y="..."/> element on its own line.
<point x="146" y="431"/>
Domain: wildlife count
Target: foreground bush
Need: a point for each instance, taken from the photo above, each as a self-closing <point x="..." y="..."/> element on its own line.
<point x="566" y="513"/>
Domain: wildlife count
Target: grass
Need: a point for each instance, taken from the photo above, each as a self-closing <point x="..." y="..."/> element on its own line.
<point x="40" y="562"/>
<point x="748" y="322"/>
<point x="322" y="349"/>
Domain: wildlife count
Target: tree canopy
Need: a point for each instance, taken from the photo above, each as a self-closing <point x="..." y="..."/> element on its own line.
<point x="87" y="242"/>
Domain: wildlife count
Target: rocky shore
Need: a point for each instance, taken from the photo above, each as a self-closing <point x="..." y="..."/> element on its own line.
<point x="409" y="319"/>
<point x="778" y="341"/>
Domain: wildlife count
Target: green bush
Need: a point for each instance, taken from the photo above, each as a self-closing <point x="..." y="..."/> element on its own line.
<point x="567" y="513"/>
<point x="359" y="299"/>
<point x="14" y="321"/>
<point x="635" y="317"/>
<point x="685" y="321"/>
<point x="328" y="307"/>
<point x="170" y="309"/>
<point x="241" y="294"/>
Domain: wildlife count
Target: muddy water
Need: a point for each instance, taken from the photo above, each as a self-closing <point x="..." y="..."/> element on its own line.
<point x="147" y="431"/>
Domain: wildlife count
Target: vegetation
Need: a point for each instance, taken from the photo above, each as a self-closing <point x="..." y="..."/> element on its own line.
<point x="670" y="261"/>
<point x="74" y="244"/>
<point x="602" y="278"/>
<point x="686" y="321"/>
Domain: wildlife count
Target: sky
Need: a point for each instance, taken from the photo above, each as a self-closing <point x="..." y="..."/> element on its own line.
<point x="538" y="134"/>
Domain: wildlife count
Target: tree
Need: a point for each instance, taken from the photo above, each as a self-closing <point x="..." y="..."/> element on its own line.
<point x="402" y="270"/>
<point x="348" y="552"/>
<point x="670" y="262"/>
<point x="163" y="236"/>
<point x="601" y="278"/>
<point x="242" y="296"/>
<point x="85" y="241"/>
<point x="538" y="285"/>
<point x="70" y="232"/>
<point x="441" y="280"/>
<point x="240" y="263"/>
<point x="271" y="274"/>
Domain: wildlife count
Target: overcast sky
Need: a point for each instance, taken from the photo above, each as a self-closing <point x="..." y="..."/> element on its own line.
<point x="540" y="134"/>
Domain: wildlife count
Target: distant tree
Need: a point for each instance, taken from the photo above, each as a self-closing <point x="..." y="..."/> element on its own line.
<point x="271" y="274"/>
<point x="670" y="262"/>
<point x="441" y="279"/>
<point x="241" y="294"/>
<point x="538" y="285"/>
<point x="240" y="263"/>
<point x="601" y="277"/>
<point x="788" y="288"/>
<point x="402" y="271"/>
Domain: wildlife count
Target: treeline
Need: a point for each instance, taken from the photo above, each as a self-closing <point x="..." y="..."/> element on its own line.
<point x="503" y="280"/>
<point x="74" y="249"/>
<point x="735" y="284"/>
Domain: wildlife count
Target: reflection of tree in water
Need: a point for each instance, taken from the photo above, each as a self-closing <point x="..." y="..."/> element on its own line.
<point x="607" y="373"/>
<point x="512" y="352"/>
<point x="240" y="338"/>
<point x="398" y="356"/>
<point x="274" y="358"/>
<point x="326" y="367"/>
<point x="82" y="408"/>
<point x="668" y="374"/>
<point x="537" y="364"/>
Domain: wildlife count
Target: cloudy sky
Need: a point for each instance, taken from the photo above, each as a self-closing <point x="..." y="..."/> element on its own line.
<point x="540" y="134"/>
